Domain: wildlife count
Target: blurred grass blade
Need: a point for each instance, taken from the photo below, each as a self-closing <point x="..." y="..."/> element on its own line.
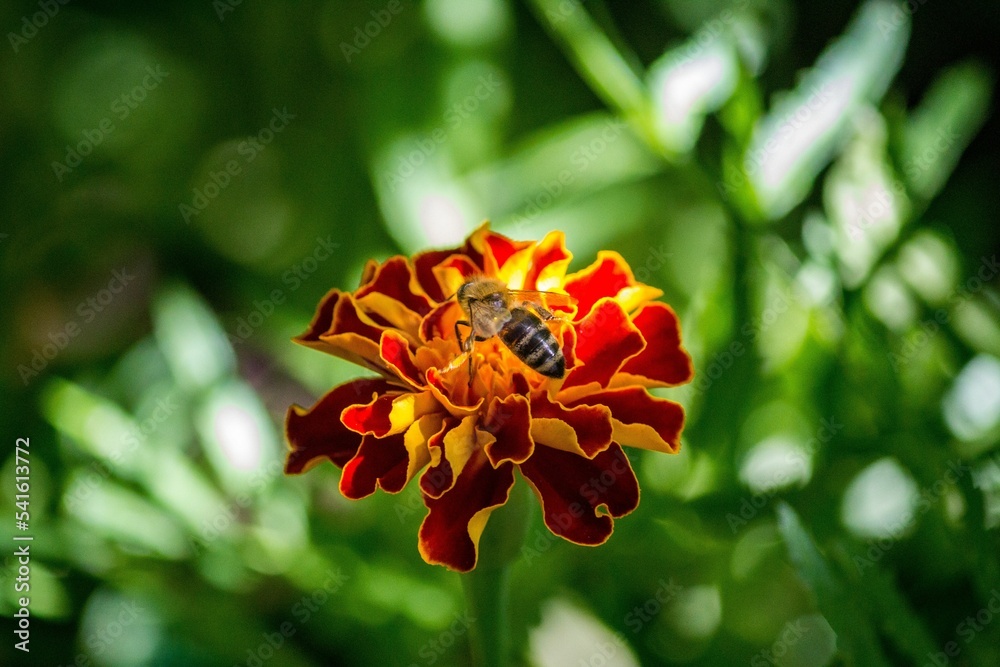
<point x="124" y="516"/>
<point x="191" y="339"/>
<point x="95" y="424"/>
<point x="855" y="636"/>
<point x="864" y="201"/>
<point x="808" y="126"/>
<point x="599" y="62"/>
<point x="578" y="156"/>
<point x="897" y="619"/>
<point x="939" y="130"/>
<point x="688" y="82"/>
<point x="238" y="438"/>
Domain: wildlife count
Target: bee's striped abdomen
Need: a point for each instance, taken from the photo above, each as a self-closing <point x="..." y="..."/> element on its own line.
<point x="528" y="338"/>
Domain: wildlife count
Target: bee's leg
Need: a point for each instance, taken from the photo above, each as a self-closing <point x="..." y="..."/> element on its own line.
<point x="458" y="334"/>
<point x="466" y="345"/>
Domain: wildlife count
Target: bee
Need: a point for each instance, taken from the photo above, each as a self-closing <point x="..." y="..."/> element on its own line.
<point x="517" y="316"/>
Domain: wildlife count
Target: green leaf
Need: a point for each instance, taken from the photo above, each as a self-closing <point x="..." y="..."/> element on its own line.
<point x="855" y="636"/>
<point x="808" y="126"/>
<point x="940" y="129"/>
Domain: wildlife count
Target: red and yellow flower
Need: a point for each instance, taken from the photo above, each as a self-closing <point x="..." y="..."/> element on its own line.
<point x="421" y="416"/>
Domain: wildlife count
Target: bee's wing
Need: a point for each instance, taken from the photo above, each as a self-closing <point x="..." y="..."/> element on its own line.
<point x="545" y="299"/>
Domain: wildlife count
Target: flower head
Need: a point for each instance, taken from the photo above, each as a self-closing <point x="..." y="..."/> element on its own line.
<point x="424" y="416"/>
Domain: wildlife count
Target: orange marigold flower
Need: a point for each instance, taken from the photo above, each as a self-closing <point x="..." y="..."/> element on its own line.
<point x="424" y="413"/>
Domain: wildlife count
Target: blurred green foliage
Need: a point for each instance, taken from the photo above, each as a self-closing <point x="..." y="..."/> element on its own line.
<point x="813" y="187"/>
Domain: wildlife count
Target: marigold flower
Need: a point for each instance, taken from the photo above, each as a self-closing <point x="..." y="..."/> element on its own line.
<point x="423" y="416"/>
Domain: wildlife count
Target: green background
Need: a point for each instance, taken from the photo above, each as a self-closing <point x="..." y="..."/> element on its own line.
<point x="813" y="186"/>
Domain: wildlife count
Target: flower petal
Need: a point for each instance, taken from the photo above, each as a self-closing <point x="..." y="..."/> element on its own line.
<point x="389" y="463"/>
<point x="395" y="352"/>
<point x="341" y="329"/>
<point x="609" y="276"/>
<point x="450" y="532"/>
<point x="317" y="433"/>
<point x="454" y="449"/>
<point x="440" y="322"/>
<point x="491" y="250"/>
<point x="583" y="430"/>
<point x="605" y="340"/>
<point x="548" y="263"/>
<point x="389" y="413"/>
<point x="453" y="272"/>
<point x="640" y="419"/>
<point x="509" y="420"/>
<point x="664" y="362"/>
<point x="387" y="312"/>
<point x="423" y="270"/>
<point x="395" y="279"/>
<point x="572" y="489"/>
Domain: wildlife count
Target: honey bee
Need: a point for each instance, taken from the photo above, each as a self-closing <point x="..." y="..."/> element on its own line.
<point x="517" y="316"/>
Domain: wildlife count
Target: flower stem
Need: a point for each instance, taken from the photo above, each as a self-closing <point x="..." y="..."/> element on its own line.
<point x="487" y="588"/>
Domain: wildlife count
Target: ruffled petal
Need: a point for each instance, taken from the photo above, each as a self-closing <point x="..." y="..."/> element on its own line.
<point x="549" y="261"/>
<point x="395" y="279"/>
<point x="605" y="339"/>
<point x="664" y="362"/>
<point x="573" y="490"/>
<point x="583" y="430"/>
<point x="389" y="463"/>
<point x="509" y="421"/>
<point x="640" y="419"/>
<point x="455" y="447"/>
<point x="609" y="276"/>
<point x="423" y="271"/>
<point x="491" y="250"/>
<point x="395" y="352"/>
<point x="387" y="312"/>
<point x="317" y="433"/>
<point x="450" y="532"/>
<point x="453" y="392"/>
<point x="389" y="413"/>
<point x="453" y="272"/>
<point x="440" y="322"/>
<point x="341" y="329"/>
